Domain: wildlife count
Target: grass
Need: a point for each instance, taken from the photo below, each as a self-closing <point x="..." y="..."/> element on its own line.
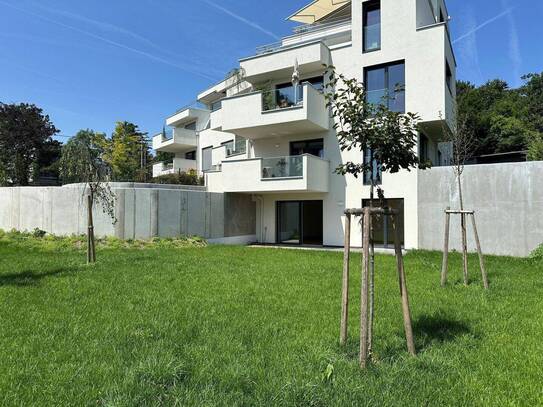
<point x="184" y="324"/>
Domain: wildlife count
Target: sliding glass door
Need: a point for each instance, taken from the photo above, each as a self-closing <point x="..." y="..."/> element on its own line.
<point x="300" y="222"/>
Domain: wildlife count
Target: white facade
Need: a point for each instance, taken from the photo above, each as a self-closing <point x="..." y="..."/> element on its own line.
<point x="245" y="144"/>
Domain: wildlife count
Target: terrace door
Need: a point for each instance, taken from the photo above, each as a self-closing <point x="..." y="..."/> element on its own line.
<point x="300" y="223"/>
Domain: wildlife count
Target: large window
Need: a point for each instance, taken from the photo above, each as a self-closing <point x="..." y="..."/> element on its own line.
<point x="383" y="233"/>
<point x="191" y="126"/>
<point x="300" y="222"/>
<point x="372" y="25"/>
<point x="207" y="160"/>
<point x="386" y="84"/>
<point x="314" y="147"/>
<point x="377" y="172"/>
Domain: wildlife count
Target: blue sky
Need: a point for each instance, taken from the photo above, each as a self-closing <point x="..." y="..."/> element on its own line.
<point x="89" y="64"/>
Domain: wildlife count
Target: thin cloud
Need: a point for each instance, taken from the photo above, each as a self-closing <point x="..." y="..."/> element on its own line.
<point x="242" y="19"/>
<point x="514" y="46"/>
<point x="113" y="43"/>
<point x="482" y="25"/>
<point x="467" y="50"/>
<point x="105" y="26"/>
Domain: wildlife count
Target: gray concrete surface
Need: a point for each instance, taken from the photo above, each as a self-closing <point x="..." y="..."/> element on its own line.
<point x="507" y="199"/>
<point x="142" y="211"/>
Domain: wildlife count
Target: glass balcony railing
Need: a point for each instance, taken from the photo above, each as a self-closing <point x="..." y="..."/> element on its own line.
<point x="372" y="37"/>
<point x="167" y="134"/>
<point x="282" y="167"/>
<point x="237" y="147"/>
<point x="283" y="98"/>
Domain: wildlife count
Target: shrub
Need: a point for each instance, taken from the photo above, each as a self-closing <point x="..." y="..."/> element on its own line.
<point x="38" y="233"/>
<point x="537" y="253"/>
<point x="38" y="239"/>
<point x="180" y="178"/>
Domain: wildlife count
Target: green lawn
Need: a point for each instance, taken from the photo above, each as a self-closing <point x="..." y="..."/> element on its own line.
<point x="244" y="326"/>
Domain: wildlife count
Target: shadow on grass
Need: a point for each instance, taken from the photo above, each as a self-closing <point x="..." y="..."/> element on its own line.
<point x="439" y="329"/>
<point x="30" y="278"/>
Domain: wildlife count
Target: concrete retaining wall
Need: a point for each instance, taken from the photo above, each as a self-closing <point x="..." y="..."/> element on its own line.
<point x="507" y="198"/>
<point x="142" y="211"/>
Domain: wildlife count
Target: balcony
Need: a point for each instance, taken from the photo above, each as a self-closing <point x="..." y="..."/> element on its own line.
<point x="173" y="167"/>
<point x="265" y="114"/>
<point x="279" y="62"/>
<point x="175" y="140"/>
<point x="194" y="112"/>
<point x="304" y="173"/>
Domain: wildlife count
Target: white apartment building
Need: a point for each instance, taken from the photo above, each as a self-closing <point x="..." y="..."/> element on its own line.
<point x="257" y="134"/>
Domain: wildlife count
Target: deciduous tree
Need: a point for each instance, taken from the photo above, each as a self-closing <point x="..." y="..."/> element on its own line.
<point x="24" y="131"/>
<point x="390" y="137"/>
<point x="82" y="162"/>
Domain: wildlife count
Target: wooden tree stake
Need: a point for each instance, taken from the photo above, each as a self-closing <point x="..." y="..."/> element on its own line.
<point x="464" y="248"/>
<point x="479" y="252"/>
<point x="345" y="286"/>
<point x="403" y="291"/>
<point x="445" y="264"/>
<point x="364" y="290"/>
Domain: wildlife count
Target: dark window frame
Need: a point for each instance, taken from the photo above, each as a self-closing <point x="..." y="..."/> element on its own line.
<point x="367" y="7"/>
<point x="366" y="180"/>
<point x="386" y="67"/>
<point x="448" y="76"/>
<point x="300" y="219"/>
<point x="388" y="241"/>
<point x="306" y="141"/>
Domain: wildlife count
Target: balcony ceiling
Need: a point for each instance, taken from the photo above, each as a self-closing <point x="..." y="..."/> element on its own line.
<point x="317" y="10"/>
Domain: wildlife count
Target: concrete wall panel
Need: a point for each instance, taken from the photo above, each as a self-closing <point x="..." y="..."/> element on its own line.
<point x="507" y="199"/>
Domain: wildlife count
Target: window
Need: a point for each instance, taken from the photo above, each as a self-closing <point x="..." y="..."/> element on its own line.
<point x="448" y="76"/>
<point x="191" y="126"/>
<point x="217" y="105"/>
<point x="313" y="147"/>
<point x="372" y="25"/>
<point x="423" y="148"/>
<point x="317" y="82"/>
<point x="191" y="155"/>
<point x="207" y="158"/>
<point x="386" y="84"/>
<point x="377" y="171"/>
<point x="383" y="233"/>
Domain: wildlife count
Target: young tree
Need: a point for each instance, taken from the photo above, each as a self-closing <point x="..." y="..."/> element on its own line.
<point x="24" y="130"/>
<point x="128" y="153"/>
<point x="463" y="142"/>
<point x="389" y="137"/>
<point x="82" y="162"/>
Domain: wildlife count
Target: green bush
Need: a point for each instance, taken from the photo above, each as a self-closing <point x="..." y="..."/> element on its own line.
<point x="180" y="178"/>
<point x="537" y="253"/>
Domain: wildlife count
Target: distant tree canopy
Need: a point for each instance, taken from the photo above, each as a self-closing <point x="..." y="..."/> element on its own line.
<point x="504" y="119"/>
<point x="25" y="140"/>
<point x="128" y="153"/>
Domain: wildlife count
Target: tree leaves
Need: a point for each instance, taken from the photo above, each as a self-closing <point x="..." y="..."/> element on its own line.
<point x="360" y="125"/>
